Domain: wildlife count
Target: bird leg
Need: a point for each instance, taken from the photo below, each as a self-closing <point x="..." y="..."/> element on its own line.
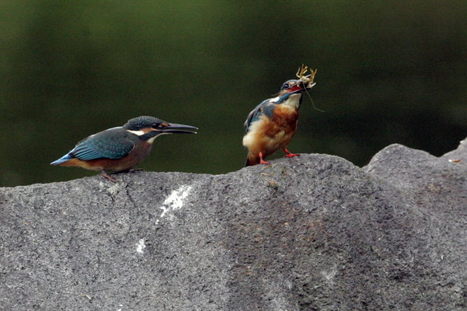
<point x="289" y="154"/>
<point x="261" y="160"/>
<point x="108" y="177"/>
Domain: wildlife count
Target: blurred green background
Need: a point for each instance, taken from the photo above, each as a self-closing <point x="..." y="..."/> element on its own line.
<point x="388" y="72"/>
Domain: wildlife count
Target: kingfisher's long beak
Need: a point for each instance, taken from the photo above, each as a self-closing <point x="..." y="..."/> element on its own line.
<point x="178" y="128"/>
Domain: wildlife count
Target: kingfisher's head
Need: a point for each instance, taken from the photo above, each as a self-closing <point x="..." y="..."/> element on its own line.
<point x="148" y="128"/>
<point x="295" y="86"/>
<point x="305" y="81"/>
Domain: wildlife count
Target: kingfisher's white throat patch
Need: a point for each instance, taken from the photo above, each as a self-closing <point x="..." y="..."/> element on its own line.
<point x="138" y="133"/>
<point x="275" y="99"/>
<point x="293" y="101"/>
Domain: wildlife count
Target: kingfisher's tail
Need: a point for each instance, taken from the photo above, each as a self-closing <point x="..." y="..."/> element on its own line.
<point x="65" y="158"/>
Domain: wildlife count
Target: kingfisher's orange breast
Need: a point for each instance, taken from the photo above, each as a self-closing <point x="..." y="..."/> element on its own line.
<point x="269" y="134"/>
<point x="135" y="156"/>
<point x="285" y="118"/>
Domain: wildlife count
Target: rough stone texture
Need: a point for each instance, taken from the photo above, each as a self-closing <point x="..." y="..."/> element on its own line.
<point x="308" y="233"/>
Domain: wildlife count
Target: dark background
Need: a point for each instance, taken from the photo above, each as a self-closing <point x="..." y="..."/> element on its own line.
<point x="388" y="72"/>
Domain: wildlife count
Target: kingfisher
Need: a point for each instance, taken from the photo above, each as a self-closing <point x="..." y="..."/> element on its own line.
<point x="120" y="148"/>
<point x="272" y="124"/>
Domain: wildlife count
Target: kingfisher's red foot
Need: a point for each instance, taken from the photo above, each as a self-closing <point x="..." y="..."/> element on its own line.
<point x="261" y="160"/>
<point x="108" y="177"/>
<point x="289" y="154"/>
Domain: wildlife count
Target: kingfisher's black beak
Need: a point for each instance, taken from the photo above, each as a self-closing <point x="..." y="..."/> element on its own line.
<point x="177" y="128"/>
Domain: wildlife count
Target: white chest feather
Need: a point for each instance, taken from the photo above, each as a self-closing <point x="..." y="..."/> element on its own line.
<point x="293" y="101"/>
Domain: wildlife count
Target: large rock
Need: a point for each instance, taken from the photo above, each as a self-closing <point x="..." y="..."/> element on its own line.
<point x="308" y="233"/>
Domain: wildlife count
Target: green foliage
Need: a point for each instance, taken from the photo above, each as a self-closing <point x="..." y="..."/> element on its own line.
<point x="388" y="71"/>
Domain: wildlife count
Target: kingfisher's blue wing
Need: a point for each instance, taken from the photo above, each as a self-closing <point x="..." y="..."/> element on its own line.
<point x="113" y="143"/>
<point x="266" y="107"/>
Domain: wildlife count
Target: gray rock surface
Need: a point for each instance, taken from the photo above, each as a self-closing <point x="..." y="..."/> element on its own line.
<point x="308" y="233"/>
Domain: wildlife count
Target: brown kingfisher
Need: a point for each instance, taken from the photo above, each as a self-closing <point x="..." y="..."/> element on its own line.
<point x="119" y="149"/>
<point x="273" y="123"/>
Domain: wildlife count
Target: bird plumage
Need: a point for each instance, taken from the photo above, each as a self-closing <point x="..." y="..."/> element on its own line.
<point x="266" y="107"/>
<point x="113" y="143"/>
<point x="120" y="148"/>
<point x="271" y="125"/>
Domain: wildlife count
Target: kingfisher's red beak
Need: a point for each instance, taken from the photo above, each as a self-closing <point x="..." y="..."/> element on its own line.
<point x="295" y="88"/>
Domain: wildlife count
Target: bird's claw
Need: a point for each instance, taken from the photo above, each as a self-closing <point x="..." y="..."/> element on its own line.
<point x="261" y="160"/>
<point x="108" y="177"/>
<point x="289" y="154"/>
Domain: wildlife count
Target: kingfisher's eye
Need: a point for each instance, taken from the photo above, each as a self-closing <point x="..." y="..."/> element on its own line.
<point x="285" y="86"/>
